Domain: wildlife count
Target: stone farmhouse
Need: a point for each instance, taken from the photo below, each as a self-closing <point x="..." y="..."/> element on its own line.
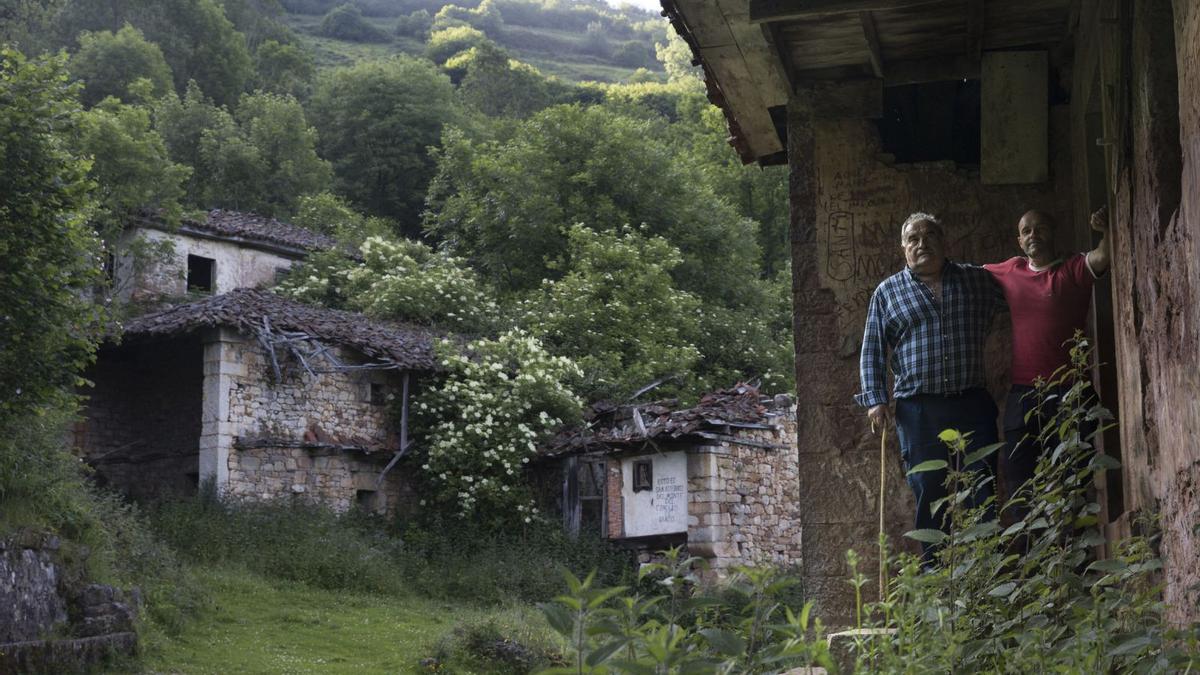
<point x="223" y="251"/>
<point x="977" y="110"/>
<point x="720" y="478"/>
<point x="262" y="396"/>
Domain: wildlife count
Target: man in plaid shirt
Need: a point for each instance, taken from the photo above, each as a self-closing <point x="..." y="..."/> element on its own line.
<point x="929" y="322"/>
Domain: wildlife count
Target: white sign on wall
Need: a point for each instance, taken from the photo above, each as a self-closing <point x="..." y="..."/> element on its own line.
<point x="658" y="505"/>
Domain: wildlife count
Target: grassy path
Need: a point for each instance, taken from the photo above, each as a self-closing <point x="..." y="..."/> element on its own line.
<point x="260" y="625"/>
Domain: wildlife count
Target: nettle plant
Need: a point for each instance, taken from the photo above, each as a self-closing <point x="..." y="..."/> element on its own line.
<point x="1032" y="596"/>
<point x="483" y="421"/>
<point x="668" y="625"/>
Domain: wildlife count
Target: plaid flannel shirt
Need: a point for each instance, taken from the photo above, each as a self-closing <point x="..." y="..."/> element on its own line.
<point x="933" y="349"/>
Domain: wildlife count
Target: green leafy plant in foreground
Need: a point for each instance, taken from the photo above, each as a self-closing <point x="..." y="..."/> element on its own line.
<point x="674" y="629"/>
<point x="1030" y="597"/>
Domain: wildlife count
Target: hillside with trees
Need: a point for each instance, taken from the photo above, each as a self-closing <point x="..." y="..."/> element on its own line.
<point x="546" y="179"/>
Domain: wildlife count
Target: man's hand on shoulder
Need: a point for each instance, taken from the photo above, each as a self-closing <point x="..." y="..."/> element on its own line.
<point x="880" y="417"/>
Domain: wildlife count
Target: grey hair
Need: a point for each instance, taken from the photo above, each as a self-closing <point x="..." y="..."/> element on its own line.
<point x="917" y="217"/>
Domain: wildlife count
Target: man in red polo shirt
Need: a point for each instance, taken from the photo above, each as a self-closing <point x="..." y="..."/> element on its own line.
<point x="1048" y="296"/>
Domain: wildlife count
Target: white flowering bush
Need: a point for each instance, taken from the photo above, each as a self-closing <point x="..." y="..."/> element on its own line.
<point x="482" y="423"/>
<point x="398" y="279"/>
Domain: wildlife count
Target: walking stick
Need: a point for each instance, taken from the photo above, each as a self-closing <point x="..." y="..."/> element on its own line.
<point x="882" y="485"/>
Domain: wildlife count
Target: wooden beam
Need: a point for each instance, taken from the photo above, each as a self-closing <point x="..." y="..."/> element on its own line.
<point x="843" y="99"/>
<point x="931" y="70"/>
<point x="762" y="11"/>
<point x="975" y="16"/>
<point x="873" y="49"/>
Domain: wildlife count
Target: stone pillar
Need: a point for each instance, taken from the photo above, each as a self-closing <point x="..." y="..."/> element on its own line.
<point x="217" y="430"/>
<point x="710" y="535"/>
<point x="835" y="480"/>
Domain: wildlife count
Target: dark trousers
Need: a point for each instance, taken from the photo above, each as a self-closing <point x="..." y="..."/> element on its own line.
<point x="919" y="420"/>
<point x="1024" y="422"/>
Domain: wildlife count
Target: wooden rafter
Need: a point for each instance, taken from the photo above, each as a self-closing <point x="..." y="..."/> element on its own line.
<point x="873" y="49"/>
<point x="975" y="16"/>
<point x="762" y="11"/>
<point x="931" y="70"/>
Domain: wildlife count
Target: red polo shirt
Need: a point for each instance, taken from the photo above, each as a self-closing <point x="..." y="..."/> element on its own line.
<point x="1047" y="307"/>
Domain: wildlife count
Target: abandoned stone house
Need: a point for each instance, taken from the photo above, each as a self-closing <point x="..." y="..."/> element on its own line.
<point x="223" y="251"/>
<point x="260" y="395"/>
<point x="719" y="478"/>
<point x="977" y="110"/>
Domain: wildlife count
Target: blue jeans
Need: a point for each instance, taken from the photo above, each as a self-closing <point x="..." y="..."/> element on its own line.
<point x="919" y="420"/>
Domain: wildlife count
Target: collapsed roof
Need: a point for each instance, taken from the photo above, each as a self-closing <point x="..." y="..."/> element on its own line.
<point x="614" y="429"/>
<point x="253" y="311"/>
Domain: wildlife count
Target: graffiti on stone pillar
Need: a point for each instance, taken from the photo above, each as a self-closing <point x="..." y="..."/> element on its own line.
<point x="840" y="254"/>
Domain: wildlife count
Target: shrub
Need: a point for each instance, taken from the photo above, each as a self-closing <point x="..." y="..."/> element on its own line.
<point x="445" y="43"/>
<point x="346" y="22"/>
<point x="482" y="424"/>
<point x="508" y="642"/>
<point x="415" y="25"/>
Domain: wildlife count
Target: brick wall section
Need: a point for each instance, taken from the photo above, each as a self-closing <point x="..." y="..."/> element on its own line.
<point x="613" y="485"/>
<point x="141" y="425"/>
<point x="339" y="404"/>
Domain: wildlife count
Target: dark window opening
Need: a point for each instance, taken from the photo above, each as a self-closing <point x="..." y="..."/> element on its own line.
<point x="281" y="274"/>
<point x="110" y="267"/>
<point x="367" y="500"/>
<point x="931" y="122"/>
<point x="378" y="397"/>
<point x="200" y="274"/>
<point x="643" y="475"/>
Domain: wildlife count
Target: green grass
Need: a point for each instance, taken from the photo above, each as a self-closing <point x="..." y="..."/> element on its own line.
<point x="260" y="625"/>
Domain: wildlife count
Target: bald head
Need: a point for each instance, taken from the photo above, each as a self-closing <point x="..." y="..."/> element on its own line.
<point x="1035" y="235"/>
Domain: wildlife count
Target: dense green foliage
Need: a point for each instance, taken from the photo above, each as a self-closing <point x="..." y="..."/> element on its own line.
<point x="197" y="40"/>
<point x="398" y="280"/>
<point x="283" y="68"/>
<point x="130" y="164"/>
<point x="618" y="314"/>
<point x="346" y="22"/>
<point x="376" y="121"/>
<point x="48" y="331"/>
<point x="108" y="63"/>
<point x="262" y="158"/>
<point x="48" y="327"/>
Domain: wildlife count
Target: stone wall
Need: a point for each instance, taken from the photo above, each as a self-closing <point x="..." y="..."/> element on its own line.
<point x="744" y="502"/>
<point x="847" y="203"/>
<point x="141" y="427"/>
<point x="51" y="619"/>
<point x="274" y="430"/>
<point x="163" y="270"/>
